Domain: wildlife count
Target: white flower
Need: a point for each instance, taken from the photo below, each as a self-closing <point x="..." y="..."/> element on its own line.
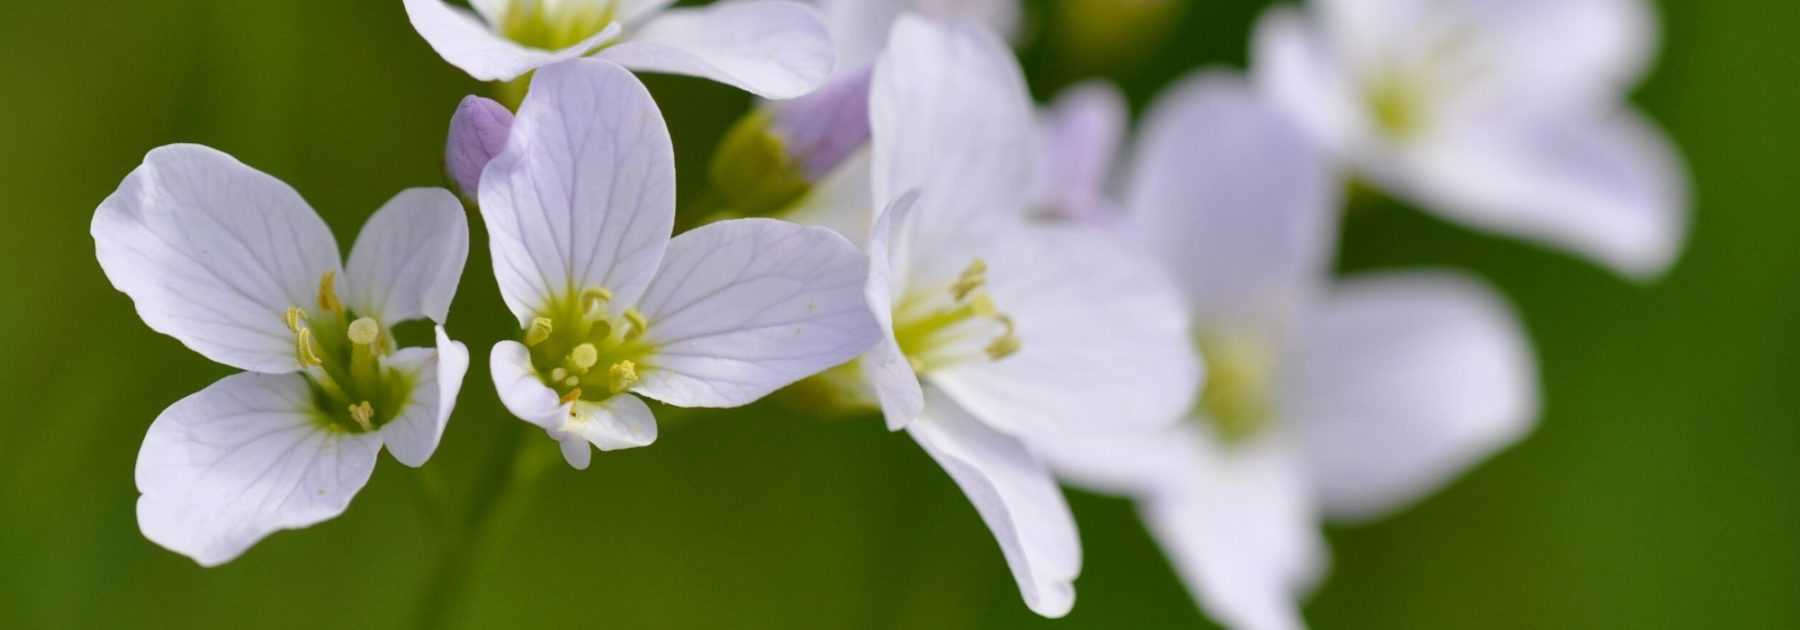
<point x="1081" y="134"/>
<point x="1342" y="400"/>
<point x="996" y="331"/>
<point x="772" y="48"/>
<point x="860" y="27"/>
<point x="1502" y="115"/>
<point x="232" y="263"/>
<point x="579" y="207"/>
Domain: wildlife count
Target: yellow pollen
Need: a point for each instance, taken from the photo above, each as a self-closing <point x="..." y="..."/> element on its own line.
<point x="295" y="317"/>
<point x="983" y="306"/>
<point x="638" y="323"/>
<point x="364" y="331"/>
<point x="622" y="375"/>
<point x="571" y="382"/>
<point x="328" y="299"/>
<point x="570" y="396"/>
<point x="559" y="375"/>
<point x="364" y="415"/>
<point x="971" y="280"/>
<point x="538" y="332"/>
<point x="583" y="357"/>
<point x="303" y="348"/>
<point x="593" y="299"/>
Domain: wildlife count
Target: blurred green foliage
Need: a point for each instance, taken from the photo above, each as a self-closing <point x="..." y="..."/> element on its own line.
<point x="1660" y="490"/>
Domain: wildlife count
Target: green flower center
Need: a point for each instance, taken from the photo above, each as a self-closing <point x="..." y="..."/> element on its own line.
<point x="582" y="351"/>
<point x="1397" y="104"/>
<point x="947" y="325"/>
<point x="1235" y="402"/>
<point x="341" y="355"/>
<point x="555" y="24"/>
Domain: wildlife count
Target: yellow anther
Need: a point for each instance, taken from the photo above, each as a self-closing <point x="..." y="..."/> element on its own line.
<point x="638" y="323"/>
<point x="1006" y="345"/>
<point x="570" y="396"/>
<point x="593" y="299"/>
<point x="364" y="415"/>
<point x="295" y="317"/>
<point x="364" y="331"/>
<point x="538" y="331"/>
<point x="583" y="357"/>
<point x="571" y="381"/>
<point x="558" y="375"/>
<point x="622" y="375"/>
<point x="328" y="299"/>
<point x="983" y="306"/>
<point x="972" y="279"/>
<point x="303" y="348"/>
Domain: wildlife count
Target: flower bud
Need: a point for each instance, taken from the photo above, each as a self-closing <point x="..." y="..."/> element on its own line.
<point x="772" y="157"/>
<point x="478" y="132"/>
<point x="1080" y="135"/>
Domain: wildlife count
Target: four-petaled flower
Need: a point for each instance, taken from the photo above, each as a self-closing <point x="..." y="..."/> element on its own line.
<point x="232" y="263"/>
<point x="1342" y="400"/>
<point x="772" y="48"/>
<point x="579" y="208"/>
<point x="996" y="331"/>
<point x="1502" y="115"/>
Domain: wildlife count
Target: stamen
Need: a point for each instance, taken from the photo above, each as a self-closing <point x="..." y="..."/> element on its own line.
<point x="364" y="331"/>
<point x="971" y="280"/>
<point x="583" y="358"/>
<point x="638" y="323"/>
<point x="538" y="332"/>
<point x="571" y="381"/>
<point x="570" y="396"/>
<point x="364" y="415"/>
<point x="593" y="299"/>
<point x="303" y="348"/>
<point x="1006" y="345"/>
<point x="328" y="299"/>
<point x="622" y="375"/>
<point x="295" y="317"/>
<point x="559" y="375"/>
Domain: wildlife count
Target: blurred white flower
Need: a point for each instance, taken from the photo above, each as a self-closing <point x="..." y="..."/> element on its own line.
<point x="1505" y="115"/>
<point x="1322" y="400"/>
<point x="1080" y="133"/>
<point x="232" y="263"/>
<point x="995" y="330"/>
<point x="579" y="207"/>
<point x="772" y="48"/>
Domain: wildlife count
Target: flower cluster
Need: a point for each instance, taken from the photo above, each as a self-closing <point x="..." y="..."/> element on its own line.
<point x="898" y="230"/>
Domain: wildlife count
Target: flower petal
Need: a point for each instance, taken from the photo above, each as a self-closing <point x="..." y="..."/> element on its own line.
<point x="619" y="422"/>
<point x="1573" y="51"/>
<point x="840" y="201"/>
<point x="407" y="261"/>
<point x="1082" y="132"/>
<point x="1016" y="496"/>
<point x="521" y="390"/>
<point x="745" y="307"/>
<point x="1240" y="531"/>
<point x="468" y="43"/>
<point x="243" y="458"/>
<point x="584" y="194"/>
<point x="885" y="367"/>
<point x="952" y="119"/>
<point x="1103" y="333"/>
<point x="1295" y="66"/>
<point x="437" y="378"/>
<point x="1233" y="199"/>
<point x="860" y="27"/>
<point x="770" y="48"/>
<point x="213" y="253"/>
<point x="1403" y="381"/>
<point x="1608" y="187"/>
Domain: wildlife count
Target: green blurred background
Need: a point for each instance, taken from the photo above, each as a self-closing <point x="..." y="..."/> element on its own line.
<point x="1662" y="488"/>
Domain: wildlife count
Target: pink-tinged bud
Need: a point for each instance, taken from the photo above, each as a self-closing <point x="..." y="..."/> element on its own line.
<point x="1080" y="135"/>
<point x="478" y="132"/>
<point x="820" y="129"/>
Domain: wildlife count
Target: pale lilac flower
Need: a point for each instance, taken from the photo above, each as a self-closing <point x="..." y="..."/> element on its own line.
<point x="1504" y="115"/>
<point x="478" y="132"/>
<point x="1323" y="399"/>
<point x="1081" y="134"/>
<point x="579" y="208"/>
<point x="772" y="48"/>
<point x="996" y="331"/>
<point x="232" y="263"/>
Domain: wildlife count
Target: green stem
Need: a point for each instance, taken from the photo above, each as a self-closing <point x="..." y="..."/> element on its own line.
<point x="462" y="547"/>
